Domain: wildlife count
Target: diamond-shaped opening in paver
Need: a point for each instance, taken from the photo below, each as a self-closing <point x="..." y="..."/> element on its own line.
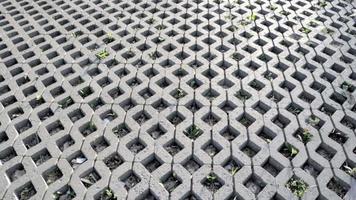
<point x="209" y="73"/>
<point x="151" y="72"/>
<point x="7" y="154"/>
<point x="66" y="102"/>
<point x="31" y="140"/>
<point x="224" y="65"/>
<point x="156" y="131"/>
<point x="275" y="50"/>
<point x="229" y="133"/>
<point x="76" y="81"/>
<point x="26" y="191"/>
<point x="264" y="57"/>
<point x="257" y="85"/>
<point x="249" y="49"/>
<point x="128" y="104"/>
<point x="227" y="106"/>
<point x="288" y="86"/>
<point x="338" y="98"/>
<point x="178" y="93"/>
<point x="338" y="136"/>
<point x="226" y="83"/>
<point x="15" y="172"/>
<point x="254" y="184"/>
<point x="130" y="180"/>
<point x="326" y="151"/>
<point x="250" y="149"/>
<point x="133" y="82"/>
<point x="303" y="134"/>
<point x="211" y="119"/>
<point x="269" y="75"/>
<point x="339" y="187"/>
<point x="113" y="161"/>
<point x="239" y="74"/>
<point x="16" y="112"/>
<point x="3" y="137"/>
<point x="281" y="121"/>
<point x="348" y="122"/>
<point x="171" y="181"/>
<point x="105" y="81"/>
<point x="210" y="94"/>
<point x="169" y="47"/>
<point x="261" y="107"/>
<point x="212" y="182"/>
<point x="96" y="103"/>
<point x="195" y="64"/>
<point x="90" y="178"/>
<point x="266" y="134"/>
<point x="281" y="66"/>
<point x="327" y="109"/>
<point x="315" y="121"/>
<point x="115" y="92"/>
<point x="94" y="72"/>
<point x="129" y="54"/>
<point x="306" y="97"/>
<point x="65" y="193"/>
<point x="76" y="159"/>
<point x="23" y="126"/>
<point x="291" y="58"/>
<point x="160" y="105"/>
<point x="246" y="119"/>
<point x="85" y="92"/>
<point x="194" y="83"/>
<point x="180" y="73"/>
<point x="52" y="175"/>
<point x="237" y="57"/>
<point x="327" y="77"/>
<point x="312" y="168"/>
<point x="108" y="116"/>
<point x="299" y="76"/>
<point x="146" y="93"/>
<point x="192" y="165"/>
<point x="232" y="166"/>
<point x="193" y="105"/>
<point x="41" y="156"/>
<point x="317" y="86"/>
<point x="88" y="128"/>
<point x="175" y="118"/>
<point x="288" y="150"/>
<point x="136" y="146"/>
<point x="193" y="132"/>
<point x="243" y="95"/>
<point x="272" y="167"/>
<point x="65" y="142"/>
<point x="152" y="163"/>
<point x="106" y="194"/>
<point x="211" y="148"/>
<point x="141" y="117"/>
<point x="28" y="91"/>
<point x="57" y="91"/>
<point x="275" y="96"/>
<point x="164" y="82"/>
<point x="297" y="186"/>
<point x="173" y="148"/>
<point x="252" y="65"/>
<point x="76" y="115"/>
<point x="121" y="130"/>
<point x="99" y="144"/>
<point x="12" y="99"/>
<point x="294" y="108"/>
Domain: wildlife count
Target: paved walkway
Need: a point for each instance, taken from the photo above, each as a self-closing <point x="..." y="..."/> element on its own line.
<point x="177" y="99"/>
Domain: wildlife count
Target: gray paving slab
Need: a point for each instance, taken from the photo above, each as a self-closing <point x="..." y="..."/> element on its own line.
<point x="177" y="99"/>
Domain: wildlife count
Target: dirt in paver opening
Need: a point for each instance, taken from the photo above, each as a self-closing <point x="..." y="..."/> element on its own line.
<point x="337" y="187"/>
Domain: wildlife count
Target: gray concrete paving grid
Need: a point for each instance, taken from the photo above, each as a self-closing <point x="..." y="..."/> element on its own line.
<point x="177" y="99"/>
